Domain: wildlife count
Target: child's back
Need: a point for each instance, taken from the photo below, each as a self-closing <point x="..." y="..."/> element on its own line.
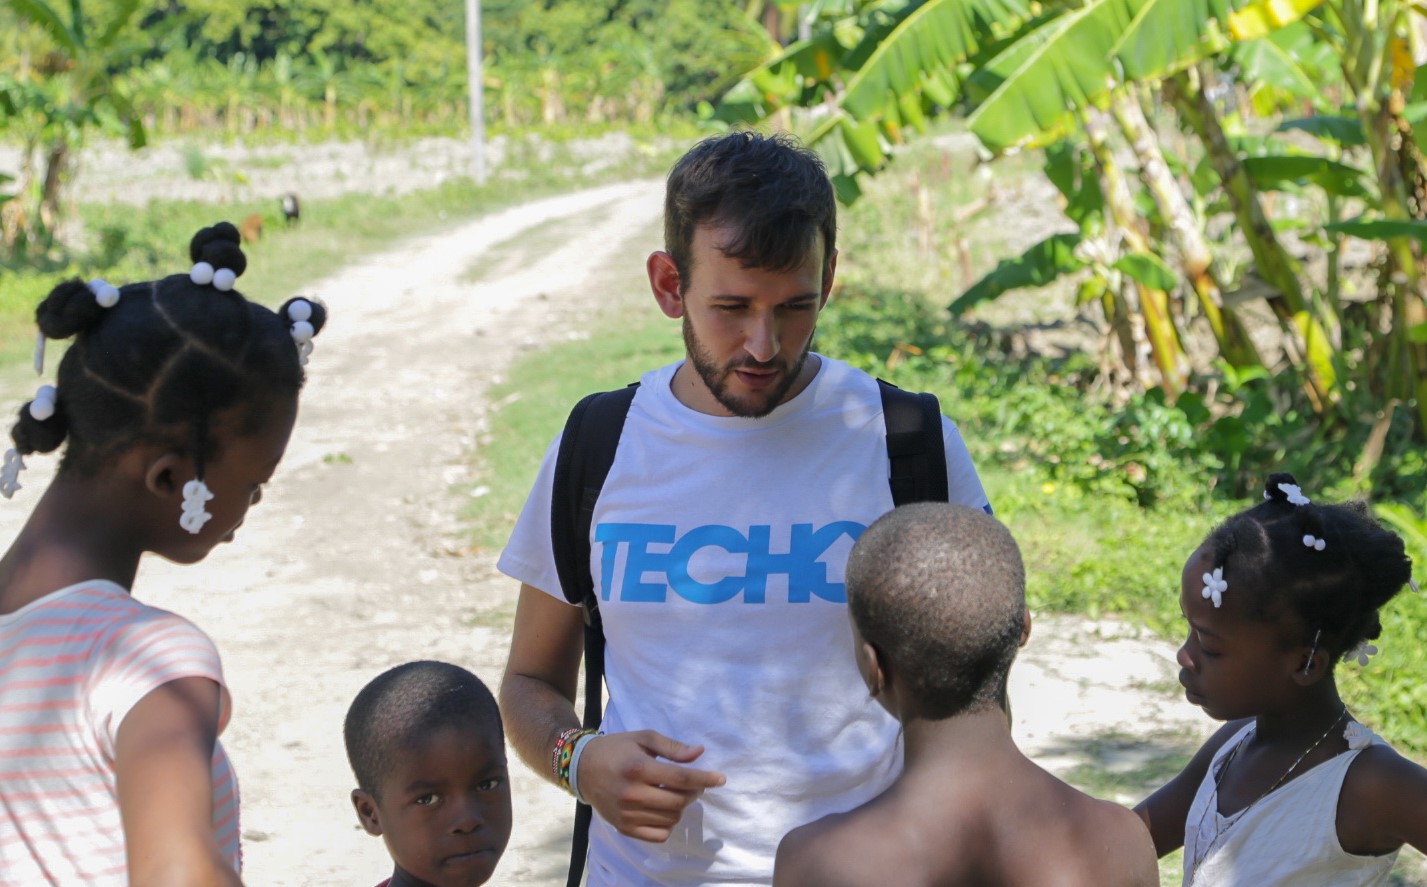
<point x="985" y="816"/>
<point x="937" y="597"/>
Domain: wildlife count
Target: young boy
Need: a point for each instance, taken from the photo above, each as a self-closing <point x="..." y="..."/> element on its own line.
<point x="427" y="747"/>
<point x="936" y="593"/>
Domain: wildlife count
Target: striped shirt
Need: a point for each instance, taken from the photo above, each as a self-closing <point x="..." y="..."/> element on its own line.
<point x="72" y="665"/>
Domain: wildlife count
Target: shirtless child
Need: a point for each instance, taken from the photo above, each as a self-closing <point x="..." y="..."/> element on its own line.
<point x="937" y="598"/>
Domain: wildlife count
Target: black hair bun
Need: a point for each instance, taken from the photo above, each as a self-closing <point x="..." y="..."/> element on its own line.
<point x="316" y="312"/>
<point x="1273" y="488"/>
<point x="70" y="308"/>
<point x="33" y="436"/>
<point x="219" y="246"/>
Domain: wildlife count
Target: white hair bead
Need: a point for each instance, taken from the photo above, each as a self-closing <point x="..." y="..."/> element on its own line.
<point x="224" y="278"/>
<point x="43" y="406"/>
<point x="300" y="309"/>
<point x="302" y="331"/>
<point x="1314" y="542"/>
<point x="106" y="294"/>
<point x="202" y="274"/>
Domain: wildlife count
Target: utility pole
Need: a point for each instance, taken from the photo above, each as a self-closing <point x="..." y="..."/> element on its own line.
<point x="476" y="90"/>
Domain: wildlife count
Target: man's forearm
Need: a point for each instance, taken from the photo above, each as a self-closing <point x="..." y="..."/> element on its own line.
<point x="535" y="714"/>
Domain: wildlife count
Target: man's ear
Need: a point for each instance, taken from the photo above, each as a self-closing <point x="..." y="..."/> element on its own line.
<point x="1025" y="626"/>
<point x="367" y="814"/>
<point x="664" y="282"/>
<point x="829" y="273"/>
<point x="162" y="472"/>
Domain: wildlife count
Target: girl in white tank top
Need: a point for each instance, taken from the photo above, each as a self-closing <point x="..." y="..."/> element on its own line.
<point x="1293" y="790"/>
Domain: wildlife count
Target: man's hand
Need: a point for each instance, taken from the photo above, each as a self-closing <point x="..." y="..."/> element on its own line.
<point x="623" y="778"/>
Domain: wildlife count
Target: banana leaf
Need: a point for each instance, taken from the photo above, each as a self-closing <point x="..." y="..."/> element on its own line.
<point x="937" y="35"/>
<point x="1276" y="171"/>
<point x="1041" y="264"/>
<point x="1070" y="71"/>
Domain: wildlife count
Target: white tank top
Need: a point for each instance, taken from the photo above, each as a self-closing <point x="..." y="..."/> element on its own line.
<point x="1289" y="838"/>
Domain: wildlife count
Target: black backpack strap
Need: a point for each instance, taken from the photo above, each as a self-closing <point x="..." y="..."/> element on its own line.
<point x="914" y="445"/>
<point x="582" y="463"/>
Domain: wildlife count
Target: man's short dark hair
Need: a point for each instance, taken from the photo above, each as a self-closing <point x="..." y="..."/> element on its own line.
<point x="405" y="705"/>
<point x="940" y="591"/>
<point x="772" y="194"/>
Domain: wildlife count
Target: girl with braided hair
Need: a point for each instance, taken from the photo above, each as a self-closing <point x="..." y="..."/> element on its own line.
<point x="1293" y="790"/>
<point x="174" y="405"/>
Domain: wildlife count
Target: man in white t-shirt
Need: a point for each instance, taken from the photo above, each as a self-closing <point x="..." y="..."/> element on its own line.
<point x="743" y="476"/>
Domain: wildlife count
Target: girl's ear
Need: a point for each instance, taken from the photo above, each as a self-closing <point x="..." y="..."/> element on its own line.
<point x="161" y="474"/>
<point x="1313" y="664"/>
<point x="367" y="814"/>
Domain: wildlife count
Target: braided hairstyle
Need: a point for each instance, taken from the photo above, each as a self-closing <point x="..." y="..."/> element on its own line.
<point x="1271" y="553"/>
<point x="163" y="360"/>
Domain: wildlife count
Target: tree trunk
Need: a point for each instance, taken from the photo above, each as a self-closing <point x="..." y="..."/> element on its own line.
<point x="1196" y="259"/>
<point x="1154" y="304"/>
<point x="1311" y="347"/>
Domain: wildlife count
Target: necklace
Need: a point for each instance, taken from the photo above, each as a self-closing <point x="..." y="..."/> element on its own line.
<point x="1201" y="855"/>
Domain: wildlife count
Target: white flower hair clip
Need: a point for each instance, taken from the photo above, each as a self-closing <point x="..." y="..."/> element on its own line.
<point x="1293" y="492"/>
<point x="1215" y="586"/>
<point x="195" y="495"/>
<point x="1314" y="542"/>
<point x="1363" y="652"/>
<point x="41" y="409"/>
<point x="10" y="473"/>
<point x="300" y="312"/>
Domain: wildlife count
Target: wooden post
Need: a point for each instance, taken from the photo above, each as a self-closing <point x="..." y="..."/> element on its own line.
<point x="476" y="89"/>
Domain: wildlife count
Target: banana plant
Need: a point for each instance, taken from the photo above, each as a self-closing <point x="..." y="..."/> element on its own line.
<point x="1041" y="73"/>
<point x="70" y="91"/>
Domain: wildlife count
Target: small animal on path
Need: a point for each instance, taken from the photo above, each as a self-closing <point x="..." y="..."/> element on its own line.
<point x="252" y="228"/>
<point x="291" y="208"/>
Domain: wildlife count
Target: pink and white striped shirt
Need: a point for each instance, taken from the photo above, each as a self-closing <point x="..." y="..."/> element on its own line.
<point x="72" y="665"/>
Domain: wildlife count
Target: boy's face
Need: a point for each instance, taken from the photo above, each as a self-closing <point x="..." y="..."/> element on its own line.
<point x="444" y="808"/>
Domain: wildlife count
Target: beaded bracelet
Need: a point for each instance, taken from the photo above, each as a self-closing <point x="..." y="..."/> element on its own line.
<point x="562" y="754"/>
<point x="579" y="745"/>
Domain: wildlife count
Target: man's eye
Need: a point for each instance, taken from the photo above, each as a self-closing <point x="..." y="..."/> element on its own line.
<point x="489" y="785"/>
<point x="427" y="799"/>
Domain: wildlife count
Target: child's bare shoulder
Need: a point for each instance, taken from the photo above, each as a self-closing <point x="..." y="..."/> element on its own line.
<point x="1074" y="840"/>
<point x="1383" y="803"/>
<point x="852" y="849"/>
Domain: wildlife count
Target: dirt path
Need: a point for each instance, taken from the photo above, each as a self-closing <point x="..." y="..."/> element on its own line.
<point x="355" y="561"/>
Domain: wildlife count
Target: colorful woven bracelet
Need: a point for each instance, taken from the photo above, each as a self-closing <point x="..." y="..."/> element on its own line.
<point x="579" y="746"/>
<point x="564" y="750"/>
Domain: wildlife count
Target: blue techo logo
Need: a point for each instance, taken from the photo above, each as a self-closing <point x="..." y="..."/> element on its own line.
<point x="807" y="574"/>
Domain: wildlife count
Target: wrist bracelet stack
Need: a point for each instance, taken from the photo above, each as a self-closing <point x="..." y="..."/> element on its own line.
<point x="562" y="757"/>
<point x="581" y="743"/>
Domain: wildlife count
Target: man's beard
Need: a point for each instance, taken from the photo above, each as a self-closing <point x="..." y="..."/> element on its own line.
<point x="716" y="378"/>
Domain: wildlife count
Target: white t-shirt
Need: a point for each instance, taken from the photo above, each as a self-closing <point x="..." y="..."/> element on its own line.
<point x="72" y="666"/>
<point x="1287" y="838"/>
<point x="718" y="546"/>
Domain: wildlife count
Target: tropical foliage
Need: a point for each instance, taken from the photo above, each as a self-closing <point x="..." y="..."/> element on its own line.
<point x="317" y="68"/>
<point x="1208" y="152"/>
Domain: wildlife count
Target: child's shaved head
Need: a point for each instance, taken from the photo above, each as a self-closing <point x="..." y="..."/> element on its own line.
<point x="940" y="591"/>
<point x="407" y="704"/>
